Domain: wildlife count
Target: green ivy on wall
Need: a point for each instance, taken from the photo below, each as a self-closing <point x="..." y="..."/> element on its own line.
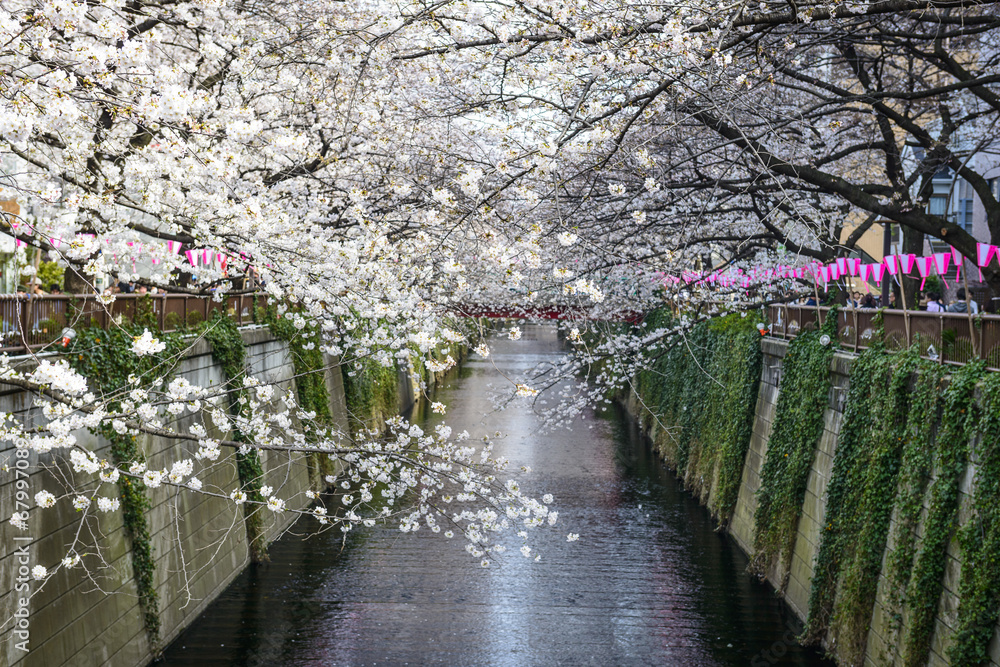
<point x="916" y="469"/>
<point x="908" y="433"/>
<point x="229" y="351"/>
<point x="859" y="501"/>
<point x="105" y="357"/>
<point x="795" y="432"/>
<point x="371" y="391"/>
<point x="979" y="588"/>
<point x="703" y="388"/>
<point x="310" y="382"/>
<point x="926" y="583"/>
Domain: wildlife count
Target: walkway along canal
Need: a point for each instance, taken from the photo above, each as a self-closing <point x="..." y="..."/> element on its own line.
<point x="649" y="582"/>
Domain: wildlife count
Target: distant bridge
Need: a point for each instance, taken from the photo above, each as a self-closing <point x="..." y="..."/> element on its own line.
<point x="547" y="313"/>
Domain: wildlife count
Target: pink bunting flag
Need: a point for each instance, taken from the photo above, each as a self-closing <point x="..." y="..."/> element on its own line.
<point x="18" y="243"/>
<point x="906" y="263"/>
<point x="833" y="271"/>
<point x="984" y="253"/>
<point x="174" y="247"/>
<point x="956" y="257"/>
<point x="55" y="242"/>
<point x="890" y="264"/>
<point x="854" y="266"/>
<point x="842" y="266"/>
<point x="878" y="271"/>
<point x="800" y="273"/>
<point x="924" y="269"/>
<point x="192" y="257"/>
<point x="941" y="260"/>
<point x="206" y="257"/>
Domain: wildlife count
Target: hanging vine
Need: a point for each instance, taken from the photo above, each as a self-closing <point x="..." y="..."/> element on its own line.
<point x="310" y="385"/>
<point x="229" y="351"/>
<point x="926" y="583"/>
<point x="703" y="387"/>
<point x="855" y="433"/>
<point x="979" y="588"/>
<point x="915" y="474"/>
<point x="798" y="424"/>
<point x="874" y="482"/>
<point x="106" y="359"/>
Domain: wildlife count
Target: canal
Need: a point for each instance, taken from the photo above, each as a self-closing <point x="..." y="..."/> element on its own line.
<point x="650" y="582"/>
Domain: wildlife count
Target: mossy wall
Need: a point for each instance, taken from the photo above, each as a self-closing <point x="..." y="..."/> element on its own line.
<point x="868" y="492"/>
<point x="76" y="620"/>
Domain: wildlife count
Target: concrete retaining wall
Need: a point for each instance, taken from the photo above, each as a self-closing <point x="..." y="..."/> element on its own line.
<point x="199" y="541"/>
<point x="884" y="642"/>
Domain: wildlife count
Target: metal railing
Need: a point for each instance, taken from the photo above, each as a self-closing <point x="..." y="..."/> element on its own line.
<point x="947" y="338"/>
<point x="29" y="323"/>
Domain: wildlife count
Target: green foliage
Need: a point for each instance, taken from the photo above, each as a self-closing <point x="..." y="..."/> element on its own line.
<point x="924" y="590"/>
<point x="310" y="380"/>
<point x="371" y="391"/>
<point x="704" y="387"/>
<point x="860" y="497"/>
<point x="229" y="351"/>
<point x="855" y="432"/>
<point x="105" y="357"/>
<point x="48" y="273"/>
<point x="899" y="428"/>
<point x="885" y="458"/>
<point x="798" y="424"/>
<point x="979" y="589"/>
<point x="915" y="474"/>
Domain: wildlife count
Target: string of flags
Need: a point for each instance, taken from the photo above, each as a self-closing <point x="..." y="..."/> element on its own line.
<point x="823" y="274"/>
<point x="195" y="257"/>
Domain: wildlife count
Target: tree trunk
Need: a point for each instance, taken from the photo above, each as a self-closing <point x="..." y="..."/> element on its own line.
<point x="74" y="282"/>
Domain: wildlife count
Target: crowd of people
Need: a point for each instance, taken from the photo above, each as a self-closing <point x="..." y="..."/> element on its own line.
<point x="932" y="302"/>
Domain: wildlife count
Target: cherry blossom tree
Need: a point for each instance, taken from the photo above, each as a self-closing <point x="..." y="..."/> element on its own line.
<point x="377" y="166"/>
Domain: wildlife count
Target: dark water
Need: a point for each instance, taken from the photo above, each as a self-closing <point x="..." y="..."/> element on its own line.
<point x="648" y="583"/>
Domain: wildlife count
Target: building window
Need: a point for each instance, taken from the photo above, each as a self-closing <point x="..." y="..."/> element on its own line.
<point x="963" y="214"/>
<point x="938" y="205"/>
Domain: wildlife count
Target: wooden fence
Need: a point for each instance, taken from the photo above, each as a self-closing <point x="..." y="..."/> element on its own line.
<point x="31" y="323"/>
<point x="947" y="338"/>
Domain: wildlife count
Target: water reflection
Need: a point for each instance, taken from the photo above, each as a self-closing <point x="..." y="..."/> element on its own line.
<point x="649" y="582"/>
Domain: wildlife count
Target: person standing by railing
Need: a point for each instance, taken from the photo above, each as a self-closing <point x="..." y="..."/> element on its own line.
<point x="934" y="304"/>
<point x="960" y="305"/>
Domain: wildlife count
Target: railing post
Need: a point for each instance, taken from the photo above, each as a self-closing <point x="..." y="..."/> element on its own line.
<point x="982" y="352"/>
<point x="855" y="310"/>
<point x="22" y="310"/>
<point x="941" y="337"/>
